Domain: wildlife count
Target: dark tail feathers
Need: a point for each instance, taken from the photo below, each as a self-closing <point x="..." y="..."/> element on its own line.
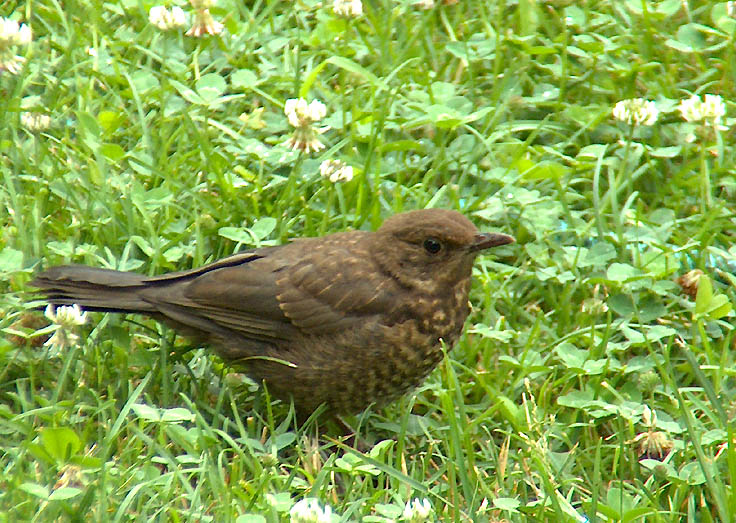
<point x="93" y="289"/>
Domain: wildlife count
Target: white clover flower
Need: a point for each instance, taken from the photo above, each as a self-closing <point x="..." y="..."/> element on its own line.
<point x="202" y="4"/>
<point x="418" y="511"/>
<point x="158" y="15"/>
<point x="166" y="20"/>
<point x="713" y="109"/>
<point x="336" y="171"/>
<point x="348" y="7"/>
<point x="636" y="111"/>
<point x="309" y="511"/>
<point x="649" y="417"/>
<point x="204" y="24"/>
<point x="710" y="110"/>
<point x="66" y="319"/>
<point x="653" y="444"/>
<point x="8" y="31"/>
<point x="594" y="306"/>
<point x="301" y="113"/>
<point x="203" y="21"/>
<point x="424" y="4"/>
<point x="691" y="109"/>
<point x="35" y="122"/>
<point x="301" y="116"/>
<point x="66" y="316"/>
<point x="23" y="36"/>
<point x="12" y="35"/>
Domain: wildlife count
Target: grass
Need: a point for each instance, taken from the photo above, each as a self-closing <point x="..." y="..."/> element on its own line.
<point x="588" y="386"/>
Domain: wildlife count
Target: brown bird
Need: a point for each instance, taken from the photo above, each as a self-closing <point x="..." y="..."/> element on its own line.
<point x="348" y="319"/>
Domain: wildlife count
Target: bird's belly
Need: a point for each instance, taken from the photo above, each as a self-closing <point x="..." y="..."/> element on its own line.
<point x="348" y="372"/>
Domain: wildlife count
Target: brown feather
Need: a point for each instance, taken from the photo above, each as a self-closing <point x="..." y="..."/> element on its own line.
<point x="347" y="319"/>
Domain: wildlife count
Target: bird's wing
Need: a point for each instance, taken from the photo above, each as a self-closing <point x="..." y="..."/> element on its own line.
<point x="237" y="293"/>
<point x="335" y="286"/>
<point x="309" y="286"/>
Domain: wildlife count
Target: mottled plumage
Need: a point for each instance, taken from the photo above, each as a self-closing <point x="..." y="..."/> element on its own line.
<point x="346" y="319"/>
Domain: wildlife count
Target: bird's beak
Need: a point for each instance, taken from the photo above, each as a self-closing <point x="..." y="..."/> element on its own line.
<point x="486" y="240"/>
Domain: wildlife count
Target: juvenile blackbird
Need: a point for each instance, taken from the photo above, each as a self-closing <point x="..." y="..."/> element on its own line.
<point x="347" y="319"/>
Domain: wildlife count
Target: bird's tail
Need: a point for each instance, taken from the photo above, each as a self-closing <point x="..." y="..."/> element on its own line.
<point x="94" y="289"/>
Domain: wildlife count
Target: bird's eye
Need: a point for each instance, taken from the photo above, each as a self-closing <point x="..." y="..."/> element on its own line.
<point x="432" y="245"/>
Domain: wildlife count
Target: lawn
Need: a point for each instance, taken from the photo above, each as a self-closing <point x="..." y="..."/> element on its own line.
<point x="595" y="377"/>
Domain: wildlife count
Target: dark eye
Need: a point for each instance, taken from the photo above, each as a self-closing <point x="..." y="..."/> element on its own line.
<point x="432" y="246"/>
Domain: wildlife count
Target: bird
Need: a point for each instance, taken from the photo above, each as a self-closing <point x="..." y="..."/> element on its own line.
<point x="346" y="320"/>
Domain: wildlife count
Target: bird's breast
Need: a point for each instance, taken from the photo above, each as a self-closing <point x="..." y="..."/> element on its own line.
<point x="443" y="314"/>
<point x="373" y="360"/>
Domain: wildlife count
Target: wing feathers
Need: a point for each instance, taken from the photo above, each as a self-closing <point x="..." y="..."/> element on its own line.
<point x="307" y="287"/>
<point x="336" y="286"/>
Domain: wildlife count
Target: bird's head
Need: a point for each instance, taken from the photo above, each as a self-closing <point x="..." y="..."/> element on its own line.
<point x="431" y="249"/>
